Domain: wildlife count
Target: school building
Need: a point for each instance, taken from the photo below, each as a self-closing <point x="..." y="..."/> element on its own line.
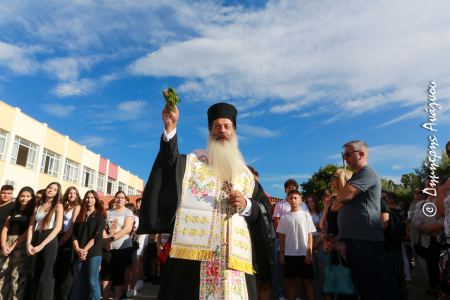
<point x="31" y="154"/>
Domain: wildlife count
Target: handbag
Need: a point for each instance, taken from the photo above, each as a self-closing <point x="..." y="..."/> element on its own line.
<point x="164" y="254"/>
<point x="338" y="280"/>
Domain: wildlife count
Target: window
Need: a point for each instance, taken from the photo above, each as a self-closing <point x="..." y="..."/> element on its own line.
<point x="88" y="178"/>
<point x="122" y="187"/>
<point x="24" y="153"/>
<point x="131" y="191"/>
<point x="71" y="170"/>
<point x="3" y="136"/>
<point x="50" y="163"/>
<point x="139" y="193"/>
<point x="110" y="186"/>
<point x="100" y="182"/>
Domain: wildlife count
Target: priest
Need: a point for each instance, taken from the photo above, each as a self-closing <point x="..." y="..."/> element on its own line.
<point x="217" y="213"/>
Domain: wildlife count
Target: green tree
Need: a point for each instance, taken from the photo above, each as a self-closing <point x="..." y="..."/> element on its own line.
<point x="319" y="182"/>
<point x="442" y="171"/>
<point x="410" y="180"/>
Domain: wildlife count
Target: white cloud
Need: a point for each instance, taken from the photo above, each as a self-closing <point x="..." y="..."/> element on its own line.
<point x="397" y="153"/>
<point x="105" y="116"/>
<point x="392" y="156"/>
<point x="398" y="167"/>
<point x="130" y="110"/>
<point x="67" y="68"/>
<point x="255" y="131"/>
<point x="410" y="115"/>
<point x="58" y="110"/>
<point x="93" y="141"/>
<point x="74" y="88"/>
<point x="357" y="59"/>
<point x="288" y="55"/>
<point x="17" y="59"/>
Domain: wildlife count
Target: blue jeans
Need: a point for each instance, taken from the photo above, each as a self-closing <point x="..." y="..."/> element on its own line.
<point x="277" y="275"/>
<point x="372" y="275"/>
<point x="86" y="283"/>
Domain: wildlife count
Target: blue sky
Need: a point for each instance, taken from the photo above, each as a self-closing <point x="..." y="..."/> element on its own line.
<point x="306" y="76"/>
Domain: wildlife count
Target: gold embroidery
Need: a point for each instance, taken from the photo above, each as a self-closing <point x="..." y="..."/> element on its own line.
<point x="193" y="231"/>
<point x="241" y="232"/>
<point x="242" y="245"/>
<point x="195" y="219"/>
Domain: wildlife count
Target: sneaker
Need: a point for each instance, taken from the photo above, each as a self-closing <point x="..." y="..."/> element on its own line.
<point x="131" y="293"/>
<point x="139" y="285"/>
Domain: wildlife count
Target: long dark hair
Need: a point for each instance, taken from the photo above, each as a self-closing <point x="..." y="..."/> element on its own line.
<point x="65" y="199"/>
<point x="28" y="210"/>
<point x="99" y="209"/>
<point x="316" y="204"/>
<point x="56" y="200"/>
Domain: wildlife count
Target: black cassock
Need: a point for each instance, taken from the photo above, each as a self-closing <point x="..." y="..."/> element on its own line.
<point x="161" y="197"/>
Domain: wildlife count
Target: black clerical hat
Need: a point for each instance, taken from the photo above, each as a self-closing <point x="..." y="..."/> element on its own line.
<point x="222" y="110"/>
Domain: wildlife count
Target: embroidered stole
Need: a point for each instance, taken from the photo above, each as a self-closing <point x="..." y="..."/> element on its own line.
<point x="211" y="231"/>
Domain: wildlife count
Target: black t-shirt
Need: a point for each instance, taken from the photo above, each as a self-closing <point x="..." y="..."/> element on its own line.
<point x="18" y="223"/>
<point x="5" y="211"/>
<point x="332" y="225"/>
<point x="91" y="228"/>
<point x="394" y="232"/>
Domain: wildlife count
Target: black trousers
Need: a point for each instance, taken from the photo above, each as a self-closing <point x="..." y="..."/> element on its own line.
<point x="432" y="259"/>
<point x="185" y="276"/>
<point x="63" y="270"/>
<point x="43" y="276"/>
<point x="114" y="265"/>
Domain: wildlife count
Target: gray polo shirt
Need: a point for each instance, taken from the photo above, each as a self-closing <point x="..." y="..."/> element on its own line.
<point x="359" y="218"/>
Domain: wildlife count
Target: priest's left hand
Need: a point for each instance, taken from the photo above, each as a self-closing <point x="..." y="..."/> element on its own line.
<point x="237" y="200"/>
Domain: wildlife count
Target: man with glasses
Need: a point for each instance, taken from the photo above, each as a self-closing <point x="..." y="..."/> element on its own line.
<point x="360" y="228"/>
<point x="443" y="209"/>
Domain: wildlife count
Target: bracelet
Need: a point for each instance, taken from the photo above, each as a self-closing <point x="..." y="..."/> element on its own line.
<point x="28" y="244"/>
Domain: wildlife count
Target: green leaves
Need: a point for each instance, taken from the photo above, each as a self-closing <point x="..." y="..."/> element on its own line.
<point x="171" y="98"/>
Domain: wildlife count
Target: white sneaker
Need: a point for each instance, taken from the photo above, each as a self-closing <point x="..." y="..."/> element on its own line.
<point x="131" y="293"/>
<point x="139" y="285"/>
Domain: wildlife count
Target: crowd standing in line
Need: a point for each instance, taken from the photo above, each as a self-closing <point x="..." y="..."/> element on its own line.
<point x="59" y="246"/>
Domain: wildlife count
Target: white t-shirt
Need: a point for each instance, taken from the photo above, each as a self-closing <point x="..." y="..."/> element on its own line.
<point x="296" y="226"/>
<point x="283" y="207"/>
<point x="116" y="220"/>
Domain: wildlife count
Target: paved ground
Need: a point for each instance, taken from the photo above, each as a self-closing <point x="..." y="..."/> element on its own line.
<point x="416" y="288"/>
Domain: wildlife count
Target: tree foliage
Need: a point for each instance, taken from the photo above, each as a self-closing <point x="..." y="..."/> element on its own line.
<point x="319" y="182"/>
<point x="442" y="171"/>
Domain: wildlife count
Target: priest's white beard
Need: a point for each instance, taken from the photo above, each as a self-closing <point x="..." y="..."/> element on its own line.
<point x="225" y="159"/>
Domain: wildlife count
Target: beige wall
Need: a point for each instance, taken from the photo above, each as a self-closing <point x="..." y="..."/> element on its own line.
<point x="91" y="159"/>
<point x="44" y="180"/>
<point x="123" y="176"/>
<point x="7" y="116"/>
<point x="21" y="177"/>
<point x="136" y="183"/>
<point x="55" y="141"/>
<point x="74" y="151"/>
<point x="29" y="129"/>
<point x="19" y="124"/>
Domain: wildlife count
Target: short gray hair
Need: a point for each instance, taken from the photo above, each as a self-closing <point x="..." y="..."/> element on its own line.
<point x="357" y="144"/>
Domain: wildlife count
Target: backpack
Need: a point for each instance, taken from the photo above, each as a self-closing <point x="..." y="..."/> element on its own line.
<point x="396" y="229"/>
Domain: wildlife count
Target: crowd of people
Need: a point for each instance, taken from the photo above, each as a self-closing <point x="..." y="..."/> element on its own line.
<point x="206" y="230"/>
<point x="61" y="246"/>
<point x="367" y="231"/>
